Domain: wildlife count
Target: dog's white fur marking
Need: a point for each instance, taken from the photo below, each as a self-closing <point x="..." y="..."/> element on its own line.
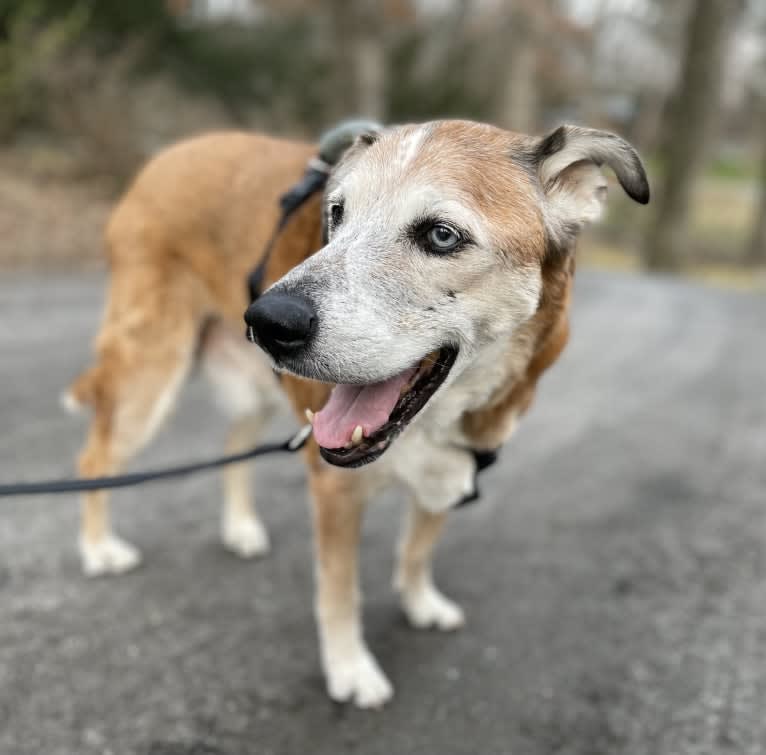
<point x="438" y="473"/>
<point x="351" y="671"/>
<point x="410" y="146"/>
<point x="110" y="555"/>
<point x="69" y="403"/>
<point x="243" y="534"/>
<point x="427" y="608"/>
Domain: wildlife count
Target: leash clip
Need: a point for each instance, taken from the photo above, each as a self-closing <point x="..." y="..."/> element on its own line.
<point x="299" y="439"/>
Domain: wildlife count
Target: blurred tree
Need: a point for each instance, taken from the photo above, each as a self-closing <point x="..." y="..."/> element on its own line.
<point x="518" y="96"/>
<point x="225" y="61"/>
<point x="437" y="67"/>
<point x="663" y="23"/>
<point x="27" y="49"/>
<point x="689" y="118"/>
<point x="756" y="252"/>
<point x="356" y="33"/>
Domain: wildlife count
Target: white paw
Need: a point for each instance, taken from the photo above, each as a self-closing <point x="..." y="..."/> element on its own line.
<point x="111" y="555"/>
<point x="427" y="607"/>
<point x="245" y="536"/>
<point x="357" y="678"/>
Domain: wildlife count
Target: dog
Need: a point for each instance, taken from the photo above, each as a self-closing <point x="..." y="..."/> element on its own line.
<point x="409" y="311"/>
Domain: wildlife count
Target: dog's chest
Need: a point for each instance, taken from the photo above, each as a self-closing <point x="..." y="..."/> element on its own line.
<point x="434" y="458"/>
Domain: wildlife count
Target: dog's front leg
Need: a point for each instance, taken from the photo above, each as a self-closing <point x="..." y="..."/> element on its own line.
<point x="351" y="671"/>
<point x="439" y="476"/>
<point x="423" y="603"/>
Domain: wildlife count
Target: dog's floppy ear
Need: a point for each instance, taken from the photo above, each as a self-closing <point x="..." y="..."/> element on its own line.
<point x="568" y="161"/>
<point x="338" y="140"/>
<point x="340" y="143"/>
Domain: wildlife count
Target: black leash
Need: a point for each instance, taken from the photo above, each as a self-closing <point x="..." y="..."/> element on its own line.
<point x="332" y="146"/>
<point x="313" y="180"/>
<point x="79" y="485"/>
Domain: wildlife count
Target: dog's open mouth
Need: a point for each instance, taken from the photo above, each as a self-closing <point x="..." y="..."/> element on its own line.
<point x="359" y="422"/>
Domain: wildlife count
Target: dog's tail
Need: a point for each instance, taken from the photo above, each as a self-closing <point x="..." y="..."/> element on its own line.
<point x="82" y="391"/>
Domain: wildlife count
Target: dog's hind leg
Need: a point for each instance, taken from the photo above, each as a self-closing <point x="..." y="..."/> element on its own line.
<point x="247" y="392"/>
<point x="424" y="605"/>
<point x="242" y="531"/>
<point x="101" y="551"/>
<point x="130" y="400"/>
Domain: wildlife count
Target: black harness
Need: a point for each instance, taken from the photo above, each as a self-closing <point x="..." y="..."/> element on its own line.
<point x="313" y="181"/>
<point x="483" y="459"/>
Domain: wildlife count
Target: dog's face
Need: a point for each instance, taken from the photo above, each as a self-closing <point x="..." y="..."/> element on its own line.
<point x="436" y="238"/>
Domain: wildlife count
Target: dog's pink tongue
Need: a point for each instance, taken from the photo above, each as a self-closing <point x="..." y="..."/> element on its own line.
<point x="350" y="405"/>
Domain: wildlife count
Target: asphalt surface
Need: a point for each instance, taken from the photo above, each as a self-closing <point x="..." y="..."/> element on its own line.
<point x="614" y="575"/>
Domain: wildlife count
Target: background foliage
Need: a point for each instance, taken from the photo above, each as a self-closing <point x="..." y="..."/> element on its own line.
<point x="91" y="88"/>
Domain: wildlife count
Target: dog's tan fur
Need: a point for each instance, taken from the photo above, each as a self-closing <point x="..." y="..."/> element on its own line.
<point x="180" y="245"/>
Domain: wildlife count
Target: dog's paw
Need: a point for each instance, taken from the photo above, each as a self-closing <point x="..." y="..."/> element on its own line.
<point x="111" y="555"/>
<point x="245" y="536"/>
<point x="357" y="678"/>
<point x="427" y="608"/>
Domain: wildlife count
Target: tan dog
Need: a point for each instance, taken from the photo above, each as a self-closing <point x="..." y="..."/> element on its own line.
<point x="440" y="297"/>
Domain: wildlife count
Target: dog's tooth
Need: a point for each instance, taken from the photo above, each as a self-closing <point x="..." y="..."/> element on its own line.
<point x="310" y="416"/>
<point x="357" y="435"/>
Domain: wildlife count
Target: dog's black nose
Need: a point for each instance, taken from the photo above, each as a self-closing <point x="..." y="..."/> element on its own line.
<point x="281" y="322"/>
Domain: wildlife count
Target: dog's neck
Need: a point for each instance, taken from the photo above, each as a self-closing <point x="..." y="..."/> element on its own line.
<point x="497" y="365"/>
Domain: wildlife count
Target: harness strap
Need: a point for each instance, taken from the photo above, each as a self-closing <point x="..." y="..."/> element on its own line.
<point x="332" y="145"/>
<point x="483" y="459"/>
<point x="314" y="180"/>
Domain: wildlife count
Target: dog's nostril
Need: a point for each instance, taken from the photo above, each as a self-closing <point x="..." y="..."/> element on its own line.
<point x="280" y="321"/>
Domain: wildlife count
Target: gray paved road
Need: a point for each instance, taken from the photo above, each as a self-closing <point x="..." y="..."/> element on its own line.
<point x="614" y="575"/>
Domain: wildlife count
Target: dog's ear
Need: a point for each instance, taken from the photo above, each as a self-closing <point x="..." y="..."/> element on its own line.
<point x="568" y="162"/>
<point x="338" y="145"/>
<point x="336" y="142"/>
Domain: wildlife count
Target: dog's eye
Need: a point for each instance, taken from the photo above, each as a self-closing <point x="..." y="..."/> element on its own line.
<point x="442" y="238"/>
<point x="336" y="214"/>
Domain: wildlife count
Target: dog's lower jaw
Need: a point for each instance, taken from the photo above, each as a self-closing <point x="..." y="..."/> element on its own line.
<point x="351" y="672"/>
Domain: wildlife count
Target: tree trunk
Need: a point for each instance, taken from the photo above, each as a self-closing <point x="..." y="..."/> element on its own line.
<point x="359" y="59"/>
<point x="518" y="101"/>
<point x="756" y="252"/>
<point x="370" y="64"/>
<point x="688" y="122"/>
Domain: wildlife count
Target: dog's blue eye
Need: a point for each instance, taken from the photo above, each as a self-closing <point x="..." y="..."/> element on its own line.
<point x="443" y="238"/>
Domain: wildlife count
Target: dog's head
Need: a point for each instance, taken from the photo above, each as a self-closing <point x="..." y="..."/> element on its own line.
<point x="436" y="238"/>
